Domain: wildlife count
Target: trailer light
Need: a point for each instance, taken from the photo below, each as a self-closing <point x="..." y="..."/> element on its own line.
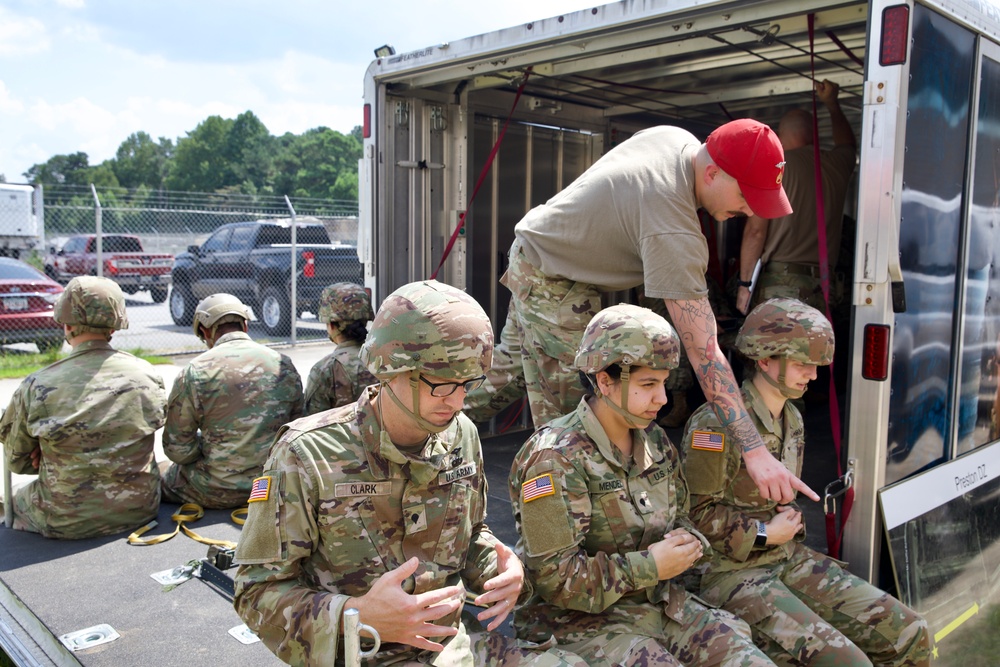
<point x="309" y="270"/>
<point x="385" y="51"/>
<point x="366" y="127"/>
<point x="895" y="35"/>
<point x="875" y="353"/>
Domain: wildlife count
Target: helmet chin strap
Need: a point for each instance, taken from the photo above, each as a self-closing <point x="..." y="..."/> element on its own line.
<point x="415" y="413"/>
<point x="634" y="421"/>
<point x="780" y="385"/>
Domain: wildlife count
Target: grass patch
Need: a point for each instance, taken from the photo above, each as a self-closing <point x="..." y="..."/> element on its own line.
<point x="18" y="364"/>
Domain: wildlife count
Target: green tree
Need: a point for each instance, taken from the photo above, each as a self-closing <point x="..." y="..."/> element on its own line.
<point x="200" y="161"/>
<point x="141" y="161"/>
<point x="70" y="169"/>
<point x="311" y="164"/>
<point x="250" y="152"/>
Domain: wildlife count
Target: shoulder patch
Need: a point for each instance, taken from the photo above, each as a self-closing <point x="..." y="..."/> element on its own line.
<point x="260" y="490"/>
<point x="537" y="487"/>
<point x="708" y="441"/>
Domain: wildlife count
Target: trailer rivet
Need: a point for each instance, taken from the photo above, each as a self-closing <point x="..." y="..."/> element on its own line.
<point x="868" y="301"/>
<point x="869" y="288"/>
<point x="879" y="99"/>
<point x="881" y="85"/>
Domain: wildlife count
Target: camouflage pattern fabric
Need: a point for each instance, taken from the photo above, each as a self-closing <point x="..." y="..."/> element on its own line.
<point x="505" y="379"/>
<point x="344" y="302"/>
<point x="429" y="327"/>
<point x="787" y="328"/>
<point x="549" y="316"/>
<point x="92" y="414"/>
<point x="772" y="284"/>
<point x="91" y="301"/>
<point x="627" y="335"/>
<point x="337" y="379"/>
<point x="805" y="608"/>
<point x="224" y="410"/>
<point x="343" y="508"/>
<point x="586" y="517"/>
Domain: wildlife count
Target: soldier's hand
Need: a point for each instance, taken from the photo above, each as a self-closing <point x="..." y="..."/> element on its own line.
<point x="827" y="91"/>
<point x="403" y="618"/>
<point x="773" y="479"/>
<point x="784" y="525"/>
<point x="36" y="457"/>
<point x="675" y="553"/>
<point x="502" y="590"/>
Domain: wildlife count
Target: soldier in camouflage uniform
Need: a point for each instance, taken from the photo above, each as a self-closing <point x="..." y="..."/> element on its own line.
<point x="224" y="409"/>
<point x="85" y="426"/>
<point x="601" y="506"/>
<point x="338" y="378"/>
<point x="381" y="505"/>
<point x="804" y="607"/>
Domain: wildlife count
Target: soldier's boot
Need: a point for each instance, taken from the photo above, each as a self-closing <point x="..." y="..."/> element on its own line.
<point x="679" y="411"/>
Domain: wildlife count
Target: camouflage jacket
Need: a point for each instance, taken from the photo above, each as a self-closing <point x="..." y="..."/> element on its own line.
<point x="585" y="520"/>
<point x="342" y="508"/>
<point x="337" y="379"/>
<point x="224" y="410"/>
<point x="725" y="501"/>
<point x="93" y="415"/>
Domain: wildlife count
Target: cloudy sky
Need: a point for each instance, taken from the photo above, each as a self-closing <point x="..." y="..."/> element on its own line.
<point x="81" y="75"/>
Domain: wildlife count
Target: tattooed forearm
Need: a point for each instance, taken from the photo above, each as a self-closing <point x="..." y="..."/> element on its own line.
<point x="744" y="432"/>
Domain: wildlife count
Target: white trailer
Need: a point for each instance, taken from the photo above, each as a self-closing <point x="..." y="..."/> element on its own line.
<point x="920" y="83"/>
<point x="20" y="219"/>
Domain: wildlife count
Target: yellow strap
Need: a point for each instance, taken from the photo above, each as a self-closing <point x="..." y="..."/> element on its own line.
<point x="239" y="515"/>
<point x="186" y="513"/>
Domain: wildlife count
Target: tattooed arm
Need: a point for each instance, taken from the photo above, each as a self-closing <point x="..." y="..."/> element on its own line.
<point x="696" y="326"/>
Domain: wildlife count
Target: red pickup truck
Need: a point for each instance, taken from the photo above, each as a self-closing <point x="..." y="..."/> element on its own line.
<point x="123" y="260"/>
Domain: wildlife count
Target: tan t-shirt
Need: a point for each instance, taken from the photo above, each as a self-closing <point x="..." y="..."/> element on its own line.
<point x="794" y="238"/>
<point x="630" y="219"/>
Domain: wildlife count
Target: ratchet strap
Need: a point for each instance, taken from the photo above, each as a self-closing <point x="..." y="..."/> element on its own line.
<point x="186" y="513"/>
<point x="482" y="176"/>
<point x="834" y="534"/>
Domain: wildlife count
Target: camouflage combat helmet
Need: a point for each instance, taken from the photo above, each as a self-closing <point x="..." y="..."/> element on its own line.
<point x="92" y="302"/>
<point x="787" y="328"/>
<point x="630" y="336"/>
<point x="345" y="302"/>
<point x="218" y="309"/>
<point x="431" y="328"/>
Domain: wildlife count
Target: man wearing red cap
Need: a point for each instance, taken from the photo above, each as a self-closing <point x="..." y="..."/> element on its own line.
<point x="629" y="220"/>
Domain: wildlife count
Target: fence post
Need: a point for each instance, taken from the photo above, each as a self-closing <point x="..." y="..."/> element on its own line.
<point x="98" y="233"/>
<point x="294" y="315"/>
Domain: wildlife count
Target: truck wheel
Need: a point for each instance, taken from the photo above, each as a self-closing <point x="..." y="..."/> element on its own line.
<point x="275" y="312"/>
<point x="159" y="294"/>
<point x="182" y="305"/>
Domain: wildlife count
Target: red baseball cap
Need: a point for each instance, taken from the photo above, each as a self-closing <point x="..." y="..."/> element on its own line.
<point x="750" y="152"/>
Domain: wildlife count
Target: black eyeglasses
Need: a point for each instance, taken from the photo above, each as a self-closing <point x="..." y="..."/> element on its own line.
<point x="442" y="389"/>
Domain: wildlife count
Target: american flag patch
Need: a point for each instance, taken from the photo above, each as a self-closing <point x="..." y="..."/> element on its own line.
<point x="708" y="441"/>
<point x="537" y="487"/>
<point x="260" y="490"/>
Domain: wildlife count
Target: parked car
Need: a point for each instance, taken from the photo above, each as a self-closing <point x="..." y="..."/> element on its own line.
<point x="253" y="261"/>
<point x="123" y="260"/>
<point x="26" y="299"/>
<point x="52" y="247"/>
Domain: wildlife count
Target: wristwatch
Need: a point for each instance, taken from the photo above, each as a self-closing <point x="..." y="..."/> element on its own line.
<point x="743" y="283"/>
<point x="761" y="540"/>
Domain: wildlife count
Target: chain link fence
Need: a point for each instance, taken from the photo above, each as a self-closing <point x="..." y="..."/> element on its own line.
<point x="168" y="250"/>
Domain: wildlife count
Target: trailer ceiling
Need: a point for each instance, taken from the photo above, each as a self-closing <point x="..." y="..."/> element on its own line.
<point x="747" y="59"/>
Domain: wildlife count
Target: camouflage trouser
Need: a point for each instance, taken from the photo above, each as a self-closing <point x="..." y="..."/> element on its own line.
<point x="808" y="610"/>
<point x="548" y="316"/>
<point x="707" y="638"/>
<point x="177" y="487"/>
<point x="779" y="279"/>
<point x="486" y="649"/>
<point x="505" y="379"/>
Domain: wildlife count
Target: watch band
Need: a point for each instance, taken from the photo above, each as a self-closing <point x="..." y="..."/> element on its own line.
<point x="743" y="283"/>
<point x="760" y="541"/>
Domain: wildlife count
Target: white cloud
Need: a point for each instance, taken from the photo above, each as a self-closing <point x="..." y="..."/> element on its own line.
<point x="9" y="105"/>
<point x="21" y="35"/>
<point x="72" y="4"/>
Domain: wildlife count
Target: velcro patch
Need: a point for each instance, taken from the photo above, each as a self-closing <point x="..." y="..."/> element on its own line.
<point x="708" y="441"/>
<point x="461" y="472"/>
<point x="348" y="489"/>
<point x="537" y="487"/>
<point x="260" y="490"/>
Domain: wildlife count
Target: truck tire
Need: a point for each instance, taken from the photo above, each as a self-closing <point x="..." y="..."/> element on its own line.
<point x="182" y="305"/>
<point x="275" y="312"/>
<point x="159" y="294"/>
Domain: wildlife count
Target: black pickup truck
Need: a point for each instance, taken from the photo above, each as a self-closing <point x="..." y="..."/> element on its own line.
<point x="253" y="260"/>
